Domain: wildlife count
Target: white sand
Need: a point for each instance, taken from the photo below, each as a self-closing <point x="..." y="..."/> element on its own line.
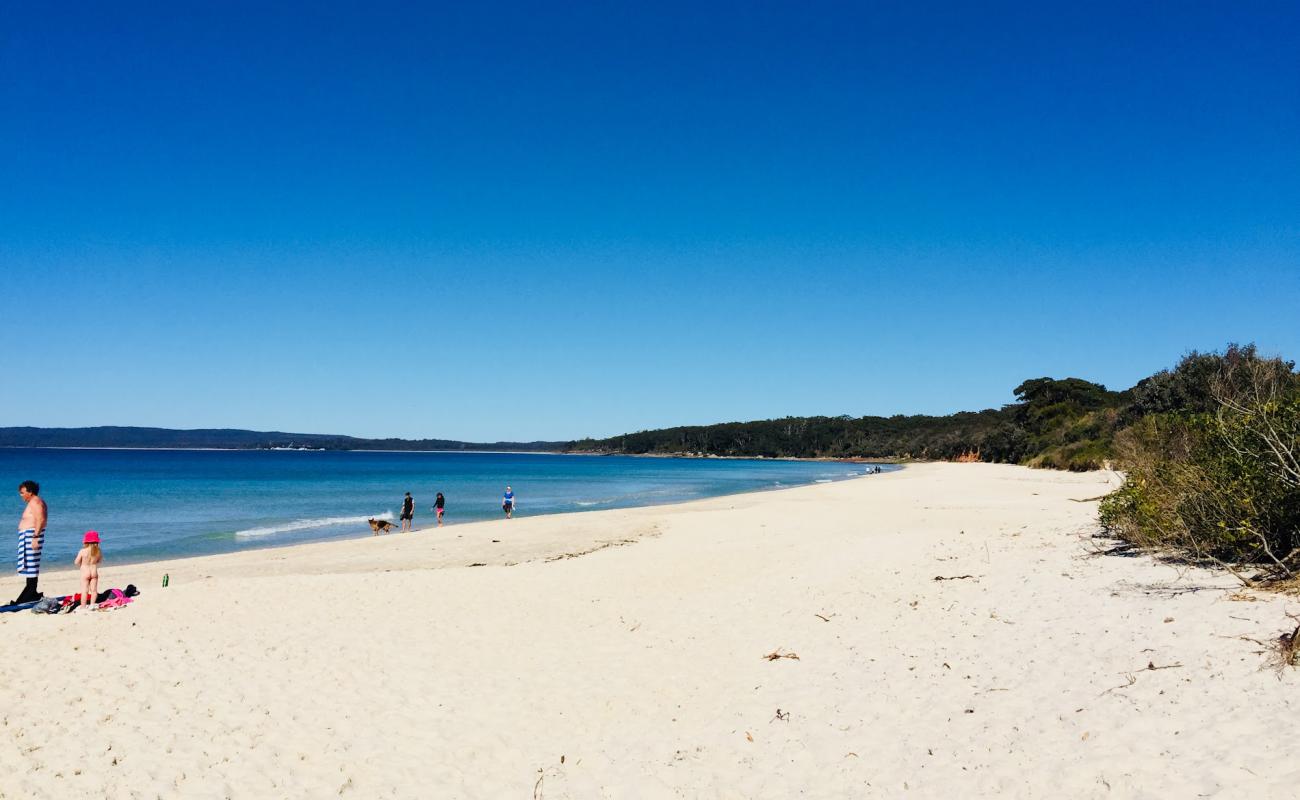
<point x="385" y="667"/>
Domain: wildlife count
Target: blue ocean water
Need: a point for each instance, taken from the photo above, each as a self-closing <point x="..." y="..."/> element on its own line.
<point x="151" y="504"/>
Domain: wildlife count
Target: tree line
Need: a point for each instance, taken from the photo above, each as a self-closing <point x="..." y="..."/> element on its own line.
<point x="1058" y="423"/>
<point x="1210" y="450"/>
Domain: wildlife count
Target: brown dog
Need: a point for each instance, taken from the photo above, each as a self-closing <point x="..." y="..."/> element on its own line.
<point x="378" y="526"/>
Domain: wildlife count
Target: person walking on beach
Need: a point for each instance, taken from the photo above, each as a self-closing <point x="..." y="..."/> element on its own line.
<point x="88" y="559"/>
<point x="508" y="502"/>
<point x="408" y="512"/>
<point x="437" y="506"/>
<point x="31" y="538"/>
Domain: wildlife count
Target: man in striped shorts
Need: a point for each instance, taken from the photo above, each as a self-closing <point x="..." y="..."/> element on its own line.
<point x="31" y="537"/>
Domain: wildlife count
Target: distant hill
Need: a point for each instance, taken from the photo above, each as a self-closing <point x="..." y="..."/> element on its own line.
<point x="233" y="439"/>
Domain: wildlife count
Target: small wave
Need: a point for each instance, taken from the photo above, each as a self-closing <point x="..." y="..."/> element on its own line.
<point x="824" y="480"/>
<point x="305" y="524"/>
<point x="585" y="503"/>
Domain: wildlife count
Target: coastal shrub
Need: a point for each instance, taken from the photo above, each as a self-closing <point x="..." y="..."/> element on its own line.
<point x="1221" y="483"/>
<point x="1077" y="456"/>
<point x="1199" y="380"/>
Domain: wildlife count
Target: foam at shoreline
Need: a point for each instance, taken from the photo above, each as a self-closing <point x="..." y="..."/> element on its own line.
<point x="308" y="524"/>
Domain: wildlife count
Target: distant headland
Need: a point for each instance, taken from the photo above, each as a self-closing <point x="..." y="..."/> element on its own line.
<point x="113" y="436"/>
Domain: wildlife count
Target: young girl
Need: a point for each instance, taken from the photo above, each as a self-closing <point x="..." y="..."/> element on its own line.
<point x="438" y="506"/>
<point x="88" y="559"/>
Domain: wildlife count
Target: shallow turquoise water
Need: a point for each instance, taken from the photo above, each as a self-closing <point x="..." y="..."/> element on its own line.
<point x="151" y="504"/>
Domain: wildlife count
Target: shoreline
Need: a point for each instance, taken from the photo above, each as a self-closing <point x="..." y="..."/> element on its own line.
<point x="709" y="456"/>
<point x="363" y="536"/>
<point x="229" y="544"/>
<point x="684" y="455"/>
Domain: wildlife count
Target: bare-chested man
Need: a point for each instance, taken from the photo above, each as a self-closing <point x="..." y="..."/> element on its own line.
<point x="31" y="537"/>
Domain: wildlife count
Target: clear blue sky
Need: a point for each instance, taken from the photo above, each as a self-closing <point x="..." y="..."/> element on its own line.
<point x="547" y="221"/>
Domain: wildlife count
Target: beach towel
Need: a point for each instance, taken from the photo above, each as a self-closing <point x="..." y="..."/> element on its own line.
<point x="118" y="600"/>
<point x="129" y="591"/>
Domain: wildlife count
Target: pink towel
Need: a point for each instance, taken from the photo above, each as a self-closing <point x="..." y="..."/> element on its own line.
<point x="118" y="600"/>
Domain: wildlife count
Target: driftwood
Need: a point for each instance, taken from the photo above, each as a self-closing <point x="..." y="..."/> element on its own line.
<point x="954" y="578"/>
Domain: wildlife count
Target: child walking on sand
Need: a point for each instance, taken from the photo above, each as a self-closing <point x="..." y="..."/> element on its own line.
<point x="88" y="559"/>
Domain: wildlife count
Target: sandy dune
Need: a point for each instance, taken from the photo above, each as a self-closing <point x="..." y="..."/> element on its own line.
<point x="387" y="667"/>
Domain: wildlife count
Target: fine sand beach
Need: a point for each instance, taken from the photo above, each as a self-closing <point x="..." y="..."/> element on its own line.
<point x="956" y="636"/>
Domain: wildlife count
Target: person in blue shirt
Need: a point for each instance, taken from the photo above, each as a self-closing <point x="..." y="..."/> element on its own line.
<point x="508" y="502"/>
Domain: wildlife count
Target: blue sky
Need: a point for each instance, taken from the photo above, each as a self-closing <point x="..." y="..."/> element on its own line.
<point x="529" y="222"/>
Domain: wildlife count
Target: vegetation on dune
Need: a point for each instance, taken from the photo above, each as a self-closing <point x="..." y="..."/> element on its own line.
<point x="1210" y="448"/>
<point x="1213" y="472"/>
<point x="1066" y="424"/>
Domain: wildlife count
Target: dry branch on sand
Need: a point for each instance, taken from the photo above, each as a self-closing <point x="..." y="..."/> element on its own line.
<point x="777" y="654"/>
<point x="1132" y="679"/>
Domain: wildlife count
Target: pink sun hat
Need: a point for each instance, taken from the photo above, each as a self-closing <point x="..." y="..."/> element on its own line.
<point x="91" y="537"/>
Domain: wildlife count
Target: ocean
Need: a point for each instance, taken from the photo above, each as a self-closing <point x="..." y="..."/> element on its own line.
<point x="153" y="504"/>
